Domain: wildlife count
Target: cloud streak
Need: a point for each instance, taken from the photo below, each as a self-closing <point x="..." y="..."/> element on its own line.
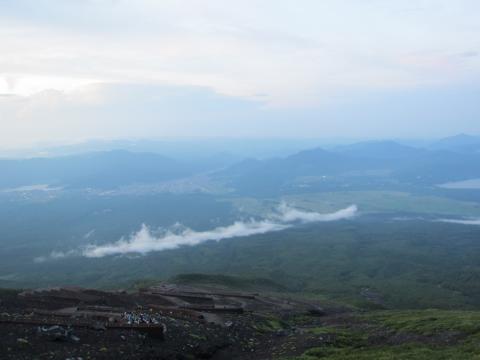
<point x="55" y="255"/>
<point x="145" y="240"/>
<point x="289" y="214"/>
<point x="460" y="221"/>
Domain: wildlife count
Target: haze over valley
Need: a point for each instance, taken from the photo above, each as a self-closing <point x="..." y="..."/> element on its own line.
<point x="118" y="205"/>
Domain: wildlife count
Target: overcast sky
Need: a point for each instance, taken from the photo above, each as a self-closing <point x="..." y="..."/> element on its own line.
<point x="72" y="70"/>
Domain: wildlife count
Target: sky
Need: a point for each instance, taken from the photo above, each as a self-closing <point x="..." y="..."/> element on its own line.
<point x="74" y="70"/>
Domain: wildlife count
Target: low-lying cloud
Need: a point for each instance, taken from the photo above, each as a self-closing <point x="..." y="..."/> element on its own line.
<point x="289" y="214"/>
<point x="55" y="255"/>
<point x="461" y="221"/>
<point x="146" y="240"/>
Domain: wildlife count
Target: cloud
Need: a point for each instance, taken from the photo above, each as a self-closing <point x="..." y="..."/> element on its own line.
<point x="469" y="54"/>
<point x="293" y="54"/>
<point x="105" y="111"/>
<point x="289" y="214"/>
<point x="282" y="70"/>
<point x="89" y="234"/>
<point x="459" y="221"/>
<point x="145" y="240"/>
<point x="55" y="255"/>
<point x="316" y="66"/>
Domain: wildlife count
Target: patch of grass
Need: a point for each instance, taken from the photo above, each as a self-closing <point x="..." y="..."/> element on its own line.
<point x="321" y="330"/>
<point x="269" y="324"/>
<point x="428" y="322"/>
<point x="275" y="324"/>
<point x="404" y="352"/>
<point x="340" y="337"/>
<point x="352" y="345"/>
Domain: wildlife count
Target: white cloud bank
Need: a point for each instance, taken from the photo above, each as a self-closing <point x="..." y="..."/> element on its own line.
<point x="145" y="241"/>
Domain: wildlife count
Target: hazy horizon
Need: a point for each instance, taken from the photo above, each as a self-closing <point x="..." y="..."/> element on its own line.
<point x="263" y="147"/>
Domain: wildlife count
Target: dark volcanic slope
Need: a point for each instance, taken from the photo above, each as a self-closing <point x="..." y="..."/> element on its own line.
<point x="182" y="322"/>
<point x="162" y="322"/>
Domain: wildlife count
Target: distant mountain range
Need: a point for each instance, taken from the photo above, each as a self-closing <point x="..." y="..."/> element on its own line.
<point x="459" y="143"/>
<point x="380" y="150"/>
<point x="364" y="165"/>
<point x="98" y="169"/>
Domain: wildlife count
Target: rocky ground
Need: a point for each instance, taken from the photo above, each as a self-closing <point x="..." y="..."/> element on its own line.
<point x="164" y="322"/>
<point x="183" y="322"/>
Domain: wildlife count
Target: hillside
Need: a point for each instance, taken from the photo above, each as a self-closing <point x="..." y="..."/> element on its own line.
<point x="360" y="166"/>
<point x="98" y="170"/>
